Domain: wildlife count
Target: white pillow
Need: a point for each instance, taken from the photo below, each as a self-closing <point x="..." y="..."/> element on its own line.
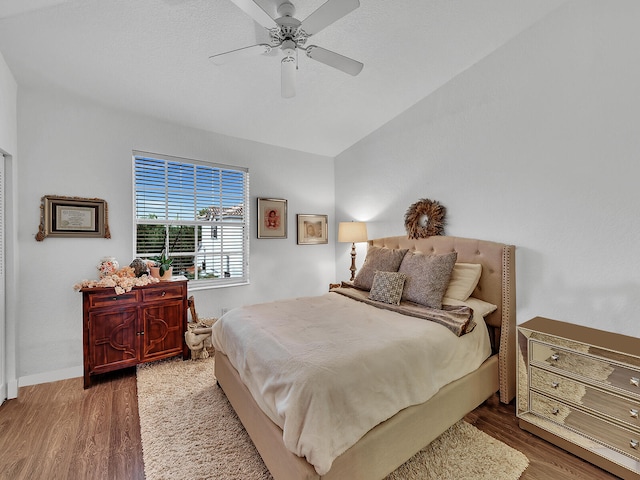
<point x="480" y="307"/>
<point x="463" y="281"/>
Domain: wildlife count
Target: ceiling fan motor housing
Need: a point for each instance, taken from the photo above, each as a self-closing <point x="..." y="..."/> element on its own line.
<point x="288" y="29"/>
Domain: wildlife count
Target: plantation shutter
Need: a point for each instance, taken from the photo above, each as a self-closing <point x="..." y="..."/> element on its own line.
<point x="197" y="213"/>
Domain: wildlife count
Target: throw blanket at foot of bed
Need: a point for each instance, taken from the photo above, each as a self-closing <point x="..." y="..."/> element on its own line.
<point x="327" y="369"/>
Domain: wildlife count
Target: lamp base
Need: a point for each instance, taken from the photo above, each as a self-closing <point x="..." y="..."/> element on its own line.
<point x="353" y="262"/>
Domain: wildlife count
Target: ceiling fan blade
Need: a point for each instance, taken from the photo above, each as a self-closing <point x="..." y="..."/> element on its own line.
<point x="240" y="53"/>
<point x="288" y="70"/>
<point x="328" y="13"/>
<point x="256" y="12"/>
<point x="335" y="60"/>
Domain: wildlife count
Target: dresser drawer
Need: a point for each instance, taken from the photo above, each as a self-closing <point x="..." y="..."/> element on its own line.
<point x="620" y="439"/>
<point x="97" y="300"/>
<point x="162" y="293"/>
<point x="589" y="367"/>
<point x="567" y="390"/>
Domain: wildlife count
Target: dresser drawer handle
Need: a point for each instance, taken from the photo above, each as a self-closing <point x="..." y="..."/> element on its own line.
<point x="163" y="293"/>
<point x="635" y="381"/>
<point x="634" y="413"/>
<point x="555" y="357"/>
<point x="555" y="384"/>
<point x="634" y="444"/>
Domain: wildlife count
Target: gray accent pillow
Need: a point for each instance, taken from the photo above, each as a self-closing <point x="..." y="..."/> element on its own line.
<point x="381" y="259"/>
<point x="387" y="287"/>
<point x="427" y="277"/>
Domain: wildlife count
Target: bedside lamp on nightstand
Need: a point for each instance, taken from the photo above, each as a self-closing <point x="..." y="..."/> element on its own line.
<point x="354" y="232"/>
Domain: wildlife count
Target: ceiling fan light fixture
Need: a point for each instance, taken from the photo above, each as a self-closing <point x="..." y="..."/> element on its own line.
<point x="288" y="80"/>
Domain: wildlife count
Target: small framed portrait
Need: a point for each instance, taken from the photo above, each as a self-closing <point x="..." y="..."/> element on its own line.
<point x="312" y="229"/>
<point x="272" y="218"/>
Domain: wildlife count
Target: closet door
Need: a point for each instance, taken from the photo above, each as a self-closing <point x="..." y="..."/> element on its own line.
<point x="3" y="377"/>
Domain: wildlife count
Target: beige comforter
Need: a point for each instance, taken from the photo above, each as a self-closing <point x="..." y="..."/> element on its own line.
<point x="327" y="369"/>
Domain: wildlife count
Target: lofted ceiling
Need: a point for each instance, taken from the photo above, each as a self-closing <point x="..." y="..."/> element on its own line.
<point x="151" y="57"/>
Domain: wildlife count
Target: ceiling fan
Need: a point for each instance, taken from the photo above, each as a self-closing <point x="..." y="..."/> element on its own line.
<point x="290" y="35"/>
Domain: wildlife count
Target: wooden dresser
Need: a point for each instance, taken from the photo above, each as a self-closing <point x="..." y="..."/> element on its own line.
<point x="579" y="388"/>
<point x="148" y="323"/>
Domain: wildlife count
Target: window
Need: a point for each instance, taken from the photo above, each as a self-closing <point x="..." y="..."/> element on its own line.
<point x="197" y="213"/>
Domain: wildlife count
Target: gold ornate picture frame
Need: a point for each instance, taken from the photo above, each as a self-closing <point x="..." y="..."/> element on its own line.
<point x="73" y="217"/>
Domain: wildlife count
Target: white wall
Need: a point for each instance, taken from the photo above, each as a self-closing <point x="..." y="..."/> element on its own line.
<point x="538" y="145"/>
<point x="8" y="149"/>
<point x="74" y="148"/>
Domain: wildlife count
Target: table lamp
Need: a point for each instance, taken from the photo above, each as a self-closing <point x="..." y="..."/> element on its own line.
<point x="353" y="232"/>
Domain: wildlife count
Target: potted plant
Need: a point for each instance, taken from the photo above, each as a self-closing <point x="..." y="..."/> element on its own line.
<point x="163" y="266"/>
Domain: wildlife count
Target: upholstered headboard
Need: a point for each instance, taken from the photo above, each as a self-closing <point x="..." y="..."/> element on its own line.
<point x="496" y="286"/>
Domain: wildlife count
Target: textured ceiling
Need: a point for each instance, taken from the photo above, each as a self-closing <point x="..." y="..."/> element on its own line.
<point x="151" y="57"/>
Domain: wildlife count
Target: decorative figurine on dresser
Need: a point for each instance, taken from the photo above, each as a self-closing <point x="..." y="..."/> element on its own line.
<point x="579" y="388"/>
<point x="129" y="320"/>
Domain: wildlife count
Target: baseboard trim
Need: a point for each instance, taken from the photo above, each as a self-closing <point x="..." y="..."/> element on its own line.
<point x="53" y="376"/>
<point x="12" y="389"/>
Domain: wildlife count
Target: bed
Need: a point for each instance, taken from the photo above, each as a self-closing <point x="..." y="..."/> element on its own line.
<point x="393" y="441"/>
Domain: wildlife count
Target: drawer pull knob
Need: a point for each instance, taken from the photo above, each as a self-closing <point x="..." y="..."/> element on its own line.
<point x="555" y="411"/>
<point x="634" y="413"/>
<point x="555" y="357"/>
<point x="634" y="444"/>
<point x="164" y="293"/>
<point x="635" y="381"/>
<point x="555" y="384"/>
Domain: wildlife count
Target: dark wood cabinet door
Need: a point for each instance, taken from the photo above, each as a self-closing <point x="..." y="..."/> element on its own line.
<point x="113" y="339"/>
<point x="143" y="325"/>
<point x="163" y="326"/>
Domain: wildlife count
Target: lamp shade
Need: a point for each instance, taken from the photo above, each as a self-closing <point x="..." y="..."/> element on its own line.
<point x="352" y="232"/>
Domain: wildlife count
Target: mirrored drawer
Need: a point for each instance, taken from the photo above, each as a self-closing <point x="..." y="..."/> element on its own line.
<point x="564" y="389"/>
<point x="613" y="436"/>
<point x="589" y="367"/>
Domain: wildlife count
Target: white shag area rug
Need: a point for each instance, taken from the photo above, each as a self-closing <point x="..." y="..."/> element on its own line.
<point x="190" y="431"/>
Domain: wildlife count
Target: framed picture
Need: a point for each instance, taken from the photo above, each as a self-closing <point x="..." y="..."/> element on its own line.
<point x="73" y="217"/>
<point x="272" y="218"/>
<point x="312" y="229"/>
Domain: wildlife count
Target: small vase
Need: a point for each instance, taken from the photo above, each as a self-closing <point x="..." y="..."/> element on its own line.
<point x="107" y="266"/>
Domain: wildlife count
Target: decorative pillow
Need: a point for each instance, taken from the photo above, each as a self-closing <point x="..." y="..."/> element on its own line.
<point x="387" y="287"/>
<point x="480" y="307"/>
<point x="463" y="281"/>
<point x="378" y="259"/>
<point x="427" y="277"/>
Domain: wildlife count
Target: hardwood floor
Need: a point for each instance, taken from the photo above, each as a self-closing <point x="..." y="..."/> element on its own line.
<point x="546" y="461"/>
<point x="61" y="431"/>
